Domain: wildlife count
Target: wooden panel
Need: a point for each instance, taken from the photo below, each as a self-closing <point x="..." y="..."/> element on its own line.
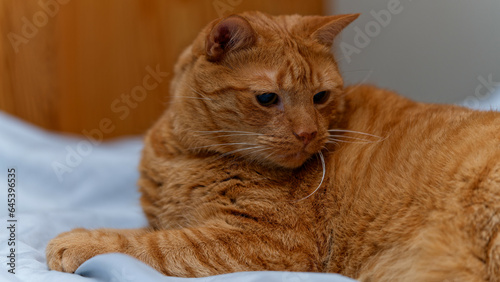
<point x="84" y="66"/>
<point x="28" y="74"/>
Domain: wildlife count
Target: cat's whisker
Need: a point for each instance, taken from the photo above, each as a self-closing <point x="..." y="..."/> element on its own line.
<point x="256" y="151"/>
<point x="359" y="70"/>
<point x="348" y="137"/>
<point x="223" y="144"/>
<point x="199" y="93"/>
<point x="332" y="142"/>
<point x="353" y="142"/>
<point x="249" y="153"/>
<point x="353" y="138"/>
<point x="269" y="155"/>
<point x="237" y="134"/>
<point x="355" y="132"/>
<point x="322" y="158"/>
<point x="236" y="151"/>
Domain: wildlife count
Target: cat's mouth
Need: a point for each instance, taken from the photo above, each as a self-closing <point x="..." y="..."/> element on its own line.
<point x="293" y="160"/>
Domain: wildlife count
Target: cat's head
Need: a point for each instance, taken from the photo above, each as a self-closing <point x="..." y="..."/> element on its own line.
<point x="264" y="88"/>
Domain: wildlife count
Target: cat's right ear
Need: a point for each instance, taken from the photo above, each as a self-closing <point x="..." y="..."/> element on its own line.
<point x="326" y="28"/>
<point x="229" y="34"/>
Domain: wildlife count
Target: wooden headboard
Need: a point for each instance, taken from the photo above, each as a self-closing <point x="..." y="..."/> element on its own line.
<point x="81" y="66"/>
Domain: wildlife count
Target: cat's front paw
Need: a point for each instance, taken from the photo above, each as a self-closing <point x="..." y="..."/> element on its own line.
<point x="69" y="250"/>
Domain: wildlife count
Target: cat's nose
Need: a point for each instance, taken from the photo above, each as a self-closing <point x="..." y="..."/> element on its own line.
<point x="305" y="136"/>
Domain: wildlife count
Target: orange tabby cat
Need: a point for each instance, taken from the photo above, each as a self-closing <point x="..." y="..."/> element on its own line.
<point x="264" y="161"/>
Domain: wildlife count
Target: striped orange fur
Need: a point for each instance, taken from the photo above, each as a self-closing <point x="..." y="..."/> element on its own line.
<point x="315" y="177"/>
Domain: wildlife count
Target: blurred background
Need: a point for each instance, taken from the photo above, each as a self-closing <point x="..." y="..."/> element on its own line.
<point x="445" y="51"/>
<point x="81" y="66"/>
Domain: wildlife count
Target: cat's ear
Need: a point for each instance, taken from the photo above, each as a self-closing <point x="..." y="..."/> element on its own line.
<point x="325" y="29"/>
<point x="231" y="33"/>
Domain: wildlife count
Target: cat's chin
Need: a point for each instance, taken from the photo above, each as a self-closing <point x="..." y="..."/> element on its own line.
<point x="292" y="161"/>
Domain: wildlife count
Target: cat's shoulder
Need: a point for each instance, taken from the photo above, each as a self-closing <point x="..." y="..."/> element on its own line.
<point x="370" y="92"/>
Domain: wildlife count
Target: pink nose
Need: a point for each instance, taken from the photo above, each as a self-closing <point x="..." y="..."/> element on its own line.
<point x="305" y="136"/>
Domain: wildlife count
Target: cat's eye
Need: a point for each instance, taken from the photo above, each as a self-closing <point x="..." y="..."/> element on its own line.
<point x="267" y="99"/>
<point x="321" y="97"/>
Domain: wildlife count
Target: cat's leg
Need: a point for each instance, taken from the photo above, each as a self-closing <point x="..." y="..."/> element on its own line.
<point x="189" y="252"/>
<point x="70" y="249"/>
<point x="441" y="252"/>
<point x="396" y="265"/>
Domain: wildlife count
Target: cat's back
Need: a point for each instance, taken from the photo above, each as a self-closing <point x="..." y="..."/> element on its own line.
<point x="441" y="134"/>
<point x="430" y="186"/>
<point x="423" y="144"/>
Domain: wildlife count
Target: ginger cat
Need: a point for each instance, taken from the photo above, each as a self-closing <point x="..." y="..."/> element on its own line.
<point x="264" y="161"/>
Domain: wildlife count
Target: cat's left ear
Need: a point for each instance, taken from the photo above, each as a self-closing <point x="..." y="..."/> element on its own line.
<point x="229" y="34"/>
<point x="325" y="28"/>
